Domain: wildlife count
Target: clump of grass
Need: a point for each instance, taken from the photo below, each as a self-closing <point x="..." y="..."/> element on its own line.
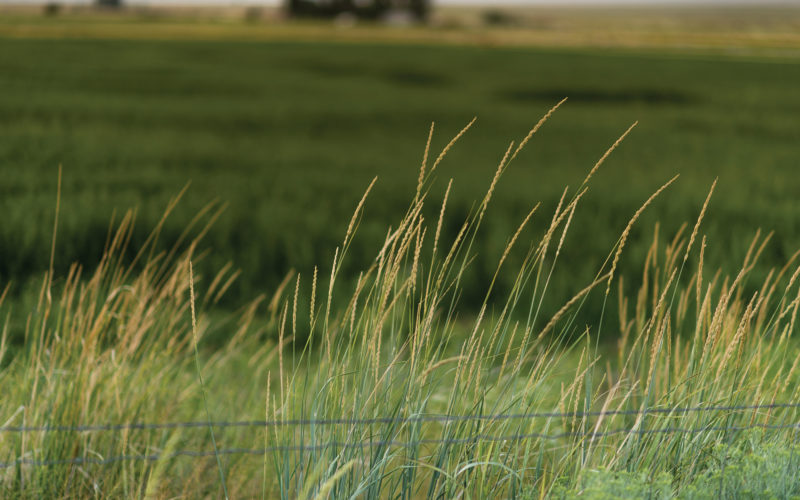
<point x="113" y="346"/>
<point x="391" y="387"/>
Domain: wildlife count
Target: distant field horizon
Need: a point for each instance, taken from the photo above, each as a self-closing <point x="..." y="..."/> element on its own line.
<point x="766" y="30"/>
<point x="451" y="3"/>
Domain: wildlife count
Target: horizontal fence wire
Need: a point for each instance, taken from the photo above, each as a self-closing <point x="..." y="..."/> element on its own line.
<point x="593" y="436"/>
<point x="388" y="420"/>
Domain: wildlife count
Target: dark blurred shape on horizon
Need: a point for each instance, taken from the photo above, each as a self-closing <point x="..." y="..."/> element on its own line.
<point x="366" y="9"/>
<point x="108" y="4"/>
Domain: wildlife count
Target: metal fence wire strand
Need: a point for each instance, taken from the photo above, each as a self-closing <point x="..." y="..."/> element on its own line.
<point x="593" y="436"/>
<point x="421" y="418"/>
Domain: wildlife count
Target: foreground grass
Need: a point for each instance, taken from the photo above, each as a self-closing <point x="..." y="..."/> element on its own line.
<point x="395" y="385"/>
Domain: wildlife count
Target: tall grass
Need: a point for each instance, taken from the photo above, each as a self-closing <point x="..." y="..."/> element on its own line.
<point x="366" y="367"/>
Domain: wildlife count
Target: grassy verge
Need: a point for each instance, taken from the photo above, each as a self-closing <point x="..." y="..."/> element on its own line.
<point x="385" y="387"/>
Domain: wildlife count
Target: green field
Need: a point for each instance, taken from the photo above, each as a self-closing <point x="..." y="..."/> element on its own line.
<point x="290" y="134"/>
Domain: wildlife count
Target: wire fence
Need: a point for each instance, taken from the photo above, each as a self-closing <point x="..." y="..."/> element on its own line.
<point x="422" y="418"/>
<point x="339" y="445"/>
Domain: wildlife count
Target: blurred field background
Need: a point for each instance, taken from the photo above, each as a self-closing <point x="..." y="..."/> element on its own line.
<point x="287" y="123"/>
